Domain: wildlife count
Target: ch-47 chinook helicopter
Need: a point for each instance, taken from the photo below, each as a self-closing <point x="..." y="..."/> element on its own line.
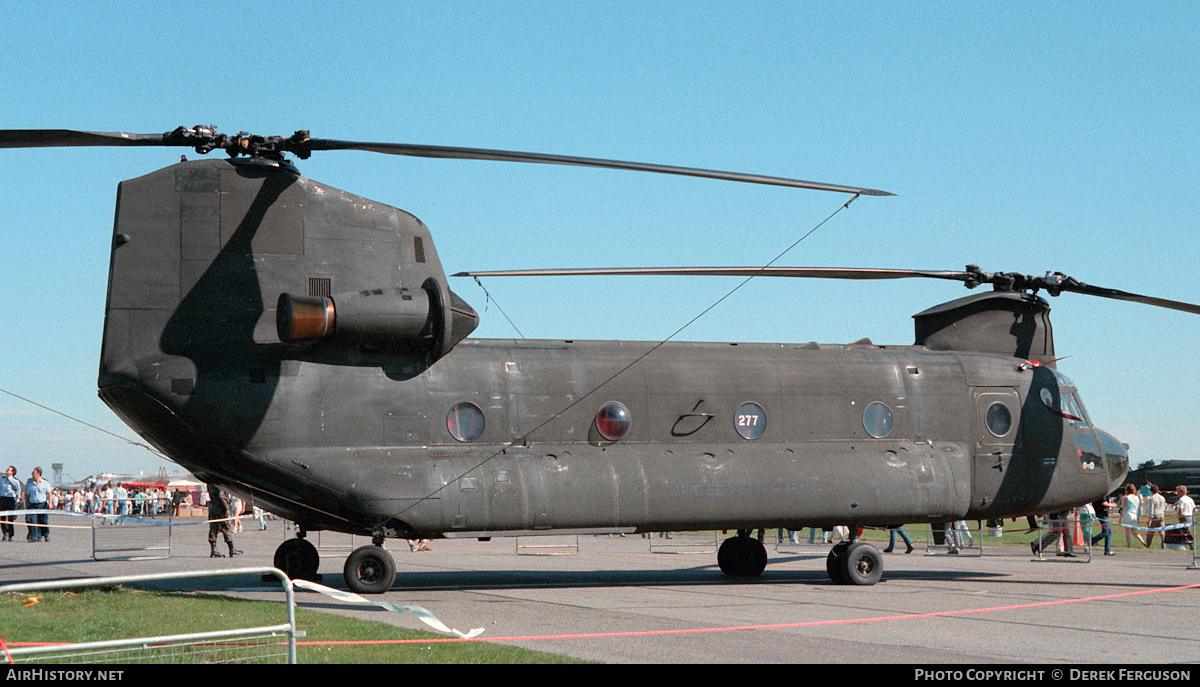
<point x="300" y="346"/>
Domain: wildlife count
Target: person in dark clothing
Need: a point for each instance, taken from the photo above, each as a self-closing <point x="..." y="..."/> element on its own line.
<point x="1101" y="507"/>
<point x="892" y="532"/>
<point x="10" y="494"/>
<point x="218" y="522"/>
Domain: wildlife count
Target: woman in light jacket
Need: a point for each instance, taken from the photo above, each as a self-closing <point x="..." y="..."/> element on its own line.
<point x="1130" y="503"/>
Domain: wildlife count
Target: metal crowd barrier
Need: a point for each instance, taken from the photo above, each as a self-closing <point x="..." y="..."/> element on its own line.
<point x="1195" y="564"/>
<point x="251" y="644"/>
<point x="1180" y="536"/>
<point x="691" y="543"/>
<point x="114" y="536"/>
<point x="132" y="533"/>
<point x="815" y="537"/>
<point x="1071" y="540"/>
<point x="548" y="545"/>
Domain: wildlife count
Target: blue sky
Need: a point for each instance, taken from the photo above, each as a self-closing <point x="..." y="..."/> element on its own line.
<point x="1026" y="137"/>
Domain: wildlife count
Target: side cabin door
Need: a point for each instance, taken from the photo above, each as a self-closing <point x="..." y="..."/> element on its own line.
<point x="997" y="411"/>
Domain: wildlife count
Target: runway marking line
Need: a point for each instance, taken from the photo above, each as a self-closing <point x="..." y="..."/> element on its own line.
<point x="818" y="623"/>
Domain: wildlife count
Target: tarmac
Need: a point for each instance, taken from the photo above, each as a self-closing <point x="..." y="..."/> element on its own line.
<point x="636" y="600"/>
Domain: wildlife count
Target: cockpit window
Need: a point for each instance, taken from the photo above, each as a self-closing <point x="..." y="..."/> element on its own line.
<point x="1115" y="455"/>
<point x="1067" y="404"/>
<point x="1063" y="380"/>
<point x="1074" y="410"/>
<point x="1089" y="452"/>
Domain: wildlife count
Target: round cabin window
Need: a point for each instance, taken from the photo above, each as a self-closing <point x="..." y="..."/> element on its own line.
<point x="465" y="422"/>
<point x="613" y="420"/>
<point x="877" y="420"/>
<point x="999" y="419"/>
<point x="750" y="421"/>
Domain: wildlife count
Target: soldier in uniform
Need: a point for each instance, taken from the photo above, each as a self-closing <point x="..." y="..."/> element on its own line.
<point x="218" y="512"/>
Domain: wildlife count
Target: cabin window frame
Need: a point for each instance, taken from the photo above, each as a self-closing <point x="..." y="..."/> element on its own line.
<point x="987" y="419"/>
<point x="754" y="430"/>
<point x="625" y="427"/>
<point x="890" y="420"/>
<point x="455" y="425"/>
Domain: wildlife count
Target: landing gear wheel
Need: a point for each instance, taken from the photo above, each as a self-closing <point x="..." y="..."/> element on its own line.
<point x="369" y="570"/>
<point x="856" y="563"/>
<point x="835" y="563"/>
<point x="742" y="557"/>
<point x="864" y="564"/>
<point x="298" y="559"/>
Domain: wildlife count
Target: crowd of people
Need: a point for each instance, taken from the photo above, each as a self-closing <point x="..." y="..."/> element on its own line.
<point x="96" y="497"/>
<point x="1141" y="513"/>
<point x="1148" y="505"/>
<point x="1136" y="511"/>
<point x="110" y="498"/>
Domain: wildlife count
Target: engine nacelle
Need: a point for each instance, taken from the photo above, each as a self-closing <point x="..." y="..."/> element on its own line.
<point x="387" y="318"/>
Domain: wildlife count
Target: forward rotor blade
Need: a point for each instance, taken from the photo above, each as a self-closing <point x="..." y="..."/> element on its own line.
<point x="1053" y="284"/>
<point x="57" y="138"/>
<point x="1115" y="294"/>
<point x="448" y="152"/>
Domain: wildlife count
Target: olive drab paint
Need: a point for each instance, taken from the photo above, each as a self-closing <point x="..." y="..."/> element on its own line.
<point x="301" y="346"/>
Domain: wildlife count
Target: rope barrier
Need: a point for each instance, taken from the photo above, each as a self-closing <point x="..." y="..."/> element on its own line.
<point x="109" y="518"/>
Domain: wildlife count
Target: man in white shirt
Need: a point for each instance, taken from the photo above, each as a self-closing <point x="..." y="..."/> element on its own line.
<point x="37" y="497"/>
<point x="1156" y="508"/>
<point x="120" y="500"/>
<point x="1185" y="505"/>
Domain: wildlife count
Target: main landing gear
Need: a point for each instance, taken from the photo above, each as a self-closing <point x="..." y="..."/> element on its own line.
<point x="298" y="559"/>
<point x="368" y="569"/>
<point x="742" y="556"/>
<point x="854" y="562"/>
<point x="850" y="562"/>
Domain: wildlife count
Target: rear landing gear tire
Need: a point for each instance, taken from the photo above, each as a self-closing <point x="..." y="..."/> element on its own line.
<point x="298" y="559"/>
<point x="835" y="563"/>
<point x="742" y="557"/>
<point x="369" y="570"/>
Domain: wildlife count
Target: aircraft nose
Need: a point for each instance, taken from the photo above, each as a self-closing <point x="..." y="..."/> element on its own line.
<point x="1116" y="457"/>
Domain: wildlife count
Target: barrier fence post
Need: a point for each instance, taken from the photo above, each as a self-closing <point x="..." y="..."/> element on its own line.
<point x="121" y="649"/>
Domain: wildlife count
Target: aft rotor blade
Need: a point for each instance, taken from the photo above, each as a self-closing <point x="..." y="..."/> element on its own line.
<point x="449" y="152"/>
<point x="56" y="138"/>
<point x="205" y="139"/>
<point x="798" y="272"/>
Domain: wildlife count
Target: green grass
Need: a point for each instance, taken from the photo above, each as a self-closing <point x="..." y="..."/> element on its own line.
<point x="94" y="615"/>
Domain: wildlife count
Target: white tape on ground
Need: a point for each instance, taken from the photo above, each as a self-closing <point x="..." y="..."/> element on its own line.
<point x="425" y="616"/>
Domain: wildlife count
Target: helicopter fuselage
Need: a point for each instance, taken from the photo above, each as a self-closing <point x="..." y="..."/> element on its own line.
<point x="730" y="436"/>
<point x="300" y="345"/>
